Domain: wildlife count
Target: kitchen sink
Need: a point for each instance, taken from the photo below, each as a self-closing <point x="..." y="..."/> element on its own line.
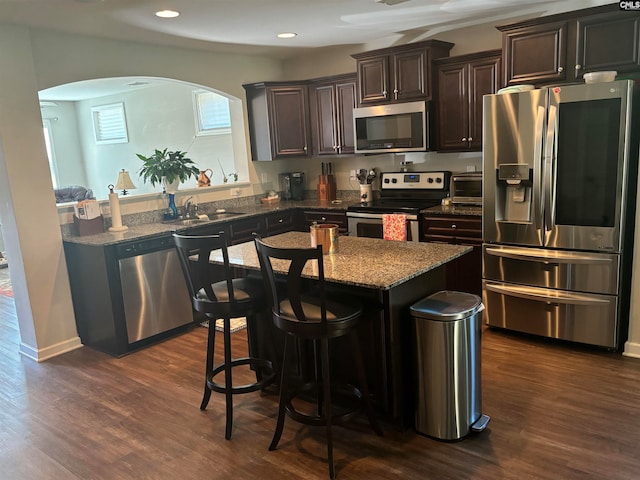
<point x="198" y="221"/>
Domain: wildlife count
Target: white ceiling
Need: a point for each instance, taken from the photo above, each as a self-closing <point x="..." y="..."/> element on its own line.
<point x="250" y="26"/>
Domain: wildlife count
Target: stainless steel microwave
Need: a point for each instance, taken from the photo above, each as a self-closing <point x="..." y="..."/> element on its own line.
<point x="466" y="188"/>
<point x="398" y="127"/>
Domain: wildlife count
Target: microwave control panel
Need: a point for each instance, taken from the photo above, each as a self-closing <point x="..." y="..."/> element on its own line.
<point x="415" y="180"/>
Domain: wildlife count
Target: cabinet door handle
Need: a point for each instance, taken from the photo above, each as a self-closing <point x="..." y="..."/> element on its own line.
<point x="305" y="148"/>
<point x="578" y="67"/>
<point x="464" y="139"/>
<point x="560" y="69"/>
<point x="324" y="219"/>
<point x="280" y="220"/>
<point x="454" y="226"/>
<point x="470" y="139"/>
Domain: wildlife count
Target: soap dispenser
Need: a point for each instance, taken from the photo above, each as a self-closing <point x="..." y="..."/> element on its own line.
<point x="171" y="211"/>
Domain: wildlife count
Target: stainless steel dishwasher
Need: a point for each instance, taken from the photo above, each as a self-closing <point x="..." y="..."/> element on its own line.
<point x="154" y="292"/>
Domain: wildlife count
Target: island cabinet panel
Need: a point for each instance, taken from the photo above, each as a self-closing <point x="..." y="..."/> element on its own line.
<point x="278" y="120"/>
<point x="461" y="84"/>
<point x="332" y="100"/>
<point x="563" y="47"/>
<point x="398" y="74"/>
<point x="463" y="274"/>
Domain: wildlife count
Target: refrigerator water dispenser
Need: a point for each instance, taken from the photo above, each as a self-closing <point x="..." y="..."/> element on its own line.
<point x="515" y="191"/>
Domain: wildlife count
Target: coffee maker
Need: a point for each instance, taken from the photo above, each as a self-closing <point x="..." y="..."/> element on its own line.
<point x="292" y="185"/>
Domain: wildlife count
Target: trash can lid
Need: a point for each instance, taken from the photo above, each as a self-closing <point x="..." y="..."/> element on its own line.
<point x="447" y="306"/>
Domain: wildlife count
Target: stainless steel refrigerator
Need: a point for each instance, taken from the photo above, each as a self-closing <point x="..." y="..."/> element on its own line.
<point x="560" y="170"/>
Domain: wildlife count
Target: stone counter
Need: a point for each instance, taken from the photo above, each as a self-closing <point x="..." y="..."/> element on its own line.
<point x="150" y="230"/>
<point x="471" y="210"/>
<point x="361" y="262"/>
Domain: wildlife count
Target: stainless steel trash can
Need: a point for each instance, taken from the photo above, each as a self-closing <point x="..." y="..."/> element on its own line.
<point x="447" y="341"/>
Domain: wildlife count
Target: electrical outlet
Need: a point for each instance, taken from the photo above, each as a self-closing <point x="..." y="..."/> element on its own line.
<point x="352" y="173"/>
<point x="471" y="168"/>
<point x="235" y="192"/>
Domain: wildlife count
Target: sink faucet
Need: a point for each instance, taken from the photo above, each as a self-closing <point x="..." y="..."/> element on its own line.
<point x="187" y="207"/>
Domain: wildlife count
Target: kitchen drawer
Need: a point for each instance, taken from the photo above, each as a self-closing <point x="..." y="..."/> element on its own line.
<point x="452" y="229"/>
<point x="558" y="269"/>
<point x="339" y="218"/>
<point x="280" y="222"/>
<point x="578" y="317"/>
<point x="241" y="231"/>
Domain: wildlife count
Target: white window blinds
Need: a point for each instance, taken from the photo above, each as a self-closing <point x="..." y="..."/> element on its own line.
<point x="109" y="123"/>
<point x="212" y="113"/>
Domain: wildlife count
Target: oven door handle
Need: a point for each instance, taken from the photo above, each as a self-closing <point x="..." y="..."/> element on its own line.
<point x="378" y="216"/>
<point x="546" y="295"/>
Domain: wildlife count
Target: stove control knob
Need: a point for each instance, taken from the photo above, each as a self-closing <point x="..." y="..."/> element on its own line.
<point x="394" y="180"/>
<point x="386" y="180"/>
<point x="429" y="180"/>
<point x="438" y="180"/>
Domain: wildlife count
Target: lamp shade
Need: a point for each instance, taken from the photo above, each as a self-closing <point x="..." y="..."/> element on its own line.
<point x="124" y="182"/>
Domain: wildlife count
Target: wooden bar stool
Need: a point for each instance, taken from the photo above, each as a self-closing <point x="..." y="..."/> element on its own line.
<point x="317" y="318"/>
<point x="226" y="299"/>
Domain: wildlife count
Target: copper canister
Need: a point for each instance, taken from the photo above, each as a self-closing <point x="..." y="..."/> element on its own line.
<point x="325" y="234"/>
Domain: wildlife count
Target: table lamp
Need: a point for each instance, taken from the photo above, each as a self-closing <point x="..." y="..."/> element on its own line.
<point x="124" y="182"/>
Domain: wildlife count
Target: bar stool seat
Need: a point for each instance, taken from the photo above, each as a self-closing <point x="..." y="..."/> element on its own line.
<point x="226" y="299"/>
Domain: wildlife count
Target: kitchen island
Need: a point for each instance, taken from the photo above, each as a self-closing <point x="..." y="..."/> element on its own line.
<point x="388" y="277"/>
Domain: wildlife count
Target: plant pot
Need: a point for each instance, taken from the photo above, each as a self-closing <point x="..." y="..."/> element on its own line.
<point x="171" y="187"/>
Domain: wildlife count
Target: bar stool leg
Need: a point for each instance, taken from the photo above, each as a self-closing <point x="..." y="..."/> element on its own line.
<point x="283" y="397"/>
<point x="228" y="382"/>
<point x="211" y="341"/>
<point x="328" y="409"/>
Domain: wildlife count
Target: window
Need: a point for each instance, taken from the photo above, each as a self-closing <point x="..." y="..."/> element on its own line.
<point x="212" y="113"/>
<point x="109" y="124"/>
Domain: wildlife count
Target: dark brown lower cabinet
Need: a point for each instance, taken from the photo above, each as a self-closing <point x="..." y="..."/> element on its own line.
<point x="465" y="273"/>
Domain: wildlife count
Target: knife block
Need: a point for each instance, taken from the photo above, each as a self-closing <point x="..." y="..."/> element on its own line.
<point x="326" y="188"/>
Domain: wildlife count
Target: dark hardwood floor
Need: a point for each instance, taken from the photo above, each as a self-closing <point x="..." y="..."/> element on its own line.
<point x="558" y="412"/>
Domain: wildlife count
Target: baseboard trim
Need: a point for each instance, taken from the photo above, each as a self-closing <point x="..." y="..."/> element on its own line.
<point x="40" y="355"/>
<point x="631" y="349"/>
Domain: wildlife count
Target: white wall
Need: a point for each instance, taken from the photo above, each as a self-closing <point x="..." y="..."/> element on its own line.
<point x="31" y="60"/>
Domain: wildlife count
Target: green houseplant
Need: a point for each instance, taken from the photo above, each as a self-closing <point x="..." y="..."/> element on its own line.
<point x="167" y="167"/>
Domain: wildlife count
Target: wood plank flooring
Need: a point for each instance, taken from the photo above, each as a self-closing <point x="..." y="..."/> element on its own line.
<point x="558" y="412"/>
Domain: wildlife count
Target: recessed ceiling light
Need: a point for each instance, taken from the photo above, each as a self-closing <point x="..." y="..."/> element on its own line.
<point x="167" y="14"/>
<point x="287" y="35"/>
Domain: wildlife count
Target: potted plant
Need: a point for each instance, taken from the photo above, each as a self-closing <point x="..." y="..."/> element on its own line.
<point x="167" y="167"/>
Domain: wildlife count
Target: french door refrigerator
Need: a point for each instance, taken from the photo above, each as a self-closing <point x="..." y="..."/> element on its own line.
<point x="560" y="174"/>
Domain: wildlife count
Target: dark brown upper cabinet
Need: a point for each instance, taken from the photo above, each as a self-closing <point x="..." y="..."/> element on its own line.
<point x="332" y="100"/>
<point x="461" y="83"/>
<point x="278" y="120"/>
<point x="398" y="74"/>
<point x="561" y="48"/>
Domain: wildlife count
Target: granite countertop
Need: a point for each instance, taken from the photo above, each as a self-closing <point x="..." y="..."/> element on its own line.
<point x="472" y="210"/>
<point x="150" y="230"/>
<point x="395" y="262"/>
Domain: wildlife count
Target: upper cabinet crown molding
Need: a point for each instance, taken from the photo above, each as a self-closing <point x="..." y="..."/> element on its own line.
<point x="398" y="74"/>
<point x="561" y="48"/>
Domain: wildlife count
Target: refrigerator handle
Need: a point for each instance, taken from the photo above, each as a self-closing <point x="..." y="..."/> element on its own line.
<point x="538" y="197"/>
<point x="550" y="171"/>
<point x="549" y="296"/>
